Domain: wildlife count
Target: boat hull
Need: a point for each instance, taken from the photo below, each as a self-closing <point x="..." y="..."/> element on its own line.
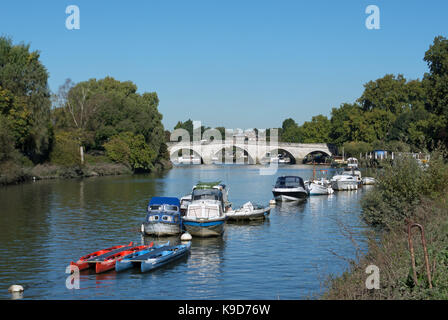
<point x="161" y="228"/>
<point x="344" y="185"/>
<point x="317" y="189"/>
<point x="167" y="257"/>
<point x="254" y="215"/>
<point x="212" y="228"/>
<point x="289" y="195"/>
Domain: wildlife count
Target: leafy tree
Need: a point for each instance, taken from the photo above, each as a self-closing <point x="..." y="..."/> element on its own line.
<point x="436" y="84"/>
<point x="316" y="131"/>
<point x="25" y="99"/>
<point x="132" y="150"/>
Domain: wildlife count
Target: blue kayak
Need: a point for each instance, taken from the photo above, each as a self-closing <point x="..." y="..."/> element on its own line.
<point x="164" y="256"/>
<point x="128" y="261"/>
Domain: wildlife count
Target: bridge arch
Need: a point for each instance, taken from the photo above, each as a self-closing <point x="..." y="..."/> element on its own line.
<point x="238" y="155"/>
<point x="318" y="156"/>
<point x="282" y="151"/>
<point x="185" y="154"/>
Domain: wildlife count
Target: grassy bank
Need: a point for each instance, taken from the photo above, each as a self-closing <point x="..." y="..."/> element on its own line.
<point x="14" y="173"/>
<point x="406" y="193"/>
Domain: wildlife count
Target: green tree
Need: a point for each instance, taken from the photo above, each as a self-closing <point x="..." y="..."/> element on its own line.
<point x="436" y="84"/>
<point x="317" y="130"/>
<point x="25" y="99"/>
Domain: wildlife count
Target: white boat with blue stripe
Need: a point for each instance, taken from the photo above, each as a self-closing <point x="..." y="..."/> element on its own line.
<point x="205" y="216"/>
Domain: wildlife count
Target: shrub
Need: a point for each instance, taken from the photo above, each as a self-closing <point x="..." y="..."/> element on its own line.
<point x="66" y="150"/>
<point x="132" y="150"/>
<point x="400" y="189"/>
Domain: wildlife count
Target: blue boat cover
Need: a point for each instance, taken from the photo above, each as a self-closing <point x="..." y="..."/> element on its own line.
<point x="165" y="200"/>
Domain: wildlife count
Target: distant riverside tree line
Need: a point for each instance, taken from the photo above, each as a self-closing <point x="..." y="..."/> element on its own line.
<point x="392" y="113"/>
<point x="106" y="118"/>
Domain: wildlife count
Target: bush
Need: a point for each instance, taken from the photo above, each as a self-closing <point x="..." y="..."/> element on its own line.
<point x="132" y="150"/>
<point x="400" y="189"/>
<point x="66" y="150"/>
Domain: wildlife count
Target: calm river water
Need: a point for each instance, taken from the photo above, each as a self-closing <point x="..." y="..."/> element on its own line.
<point x="46" y="224"/>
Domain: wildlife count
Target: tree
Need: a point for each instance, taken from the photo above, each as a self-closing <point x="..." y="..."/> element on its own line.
<point x="436" y="84"/>
<point x="317" y="130"/>
<point x="25" y="99"/>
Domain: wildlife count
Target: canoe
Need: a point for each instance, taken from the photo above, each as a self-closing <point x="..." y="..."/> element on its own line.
<point x="109" y="262"/>
<point x="130" y="260"/>
<point x="83" y="262"/>
<point x="164" y="256"/>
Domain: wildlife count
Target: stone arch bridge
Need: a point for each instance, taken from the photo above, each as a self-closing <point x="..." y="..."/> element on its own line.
<point x="255" y="151"/>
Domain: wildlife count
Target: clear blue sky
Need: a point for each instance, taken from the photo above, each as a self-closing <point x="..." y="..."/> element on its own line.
<point x="240" y="64"/>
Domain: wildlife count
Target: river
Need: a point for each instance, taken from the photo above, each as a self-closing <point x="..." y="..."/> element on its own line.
<point x="46" y="224"/>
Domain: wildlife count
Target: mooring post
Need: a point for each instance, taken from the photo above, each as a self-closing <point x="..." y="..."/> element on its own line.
<point x="411" y="249"/>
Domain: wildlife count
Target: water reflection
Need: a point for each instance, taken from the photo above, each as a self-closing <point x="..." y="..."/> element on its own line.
<point x="46" y="224"/>
<point x="290" y="207"/>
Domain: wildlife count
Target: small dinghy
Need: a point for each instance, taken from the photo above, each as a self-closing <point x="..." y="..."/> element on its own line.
<point x="86" y="261"/>
<point x="154" y="258"/>
<point x="368" y="181"/>
<point x="109" y="262"/>
<point x="248" y="212"/>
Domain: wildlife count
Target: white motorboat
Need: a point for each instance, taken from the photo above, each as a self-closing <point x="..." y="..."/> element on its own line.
<point x="187" y="160"/>
<point x="184" y="202"/>
<point x="248" y="212"/>
<point x="205" y="216"/>
<point x="352" y="163"/>
<point x="368" y="180"/>
<point x="319" y="187"/>
<point x="289" y="188"/>
<point x="344" y="182"/>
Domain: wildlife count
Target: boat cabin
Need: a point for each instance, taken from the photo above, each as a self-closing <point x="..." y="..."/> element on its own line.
<point x="166" y="209"/>
<point x="289" y="182"/>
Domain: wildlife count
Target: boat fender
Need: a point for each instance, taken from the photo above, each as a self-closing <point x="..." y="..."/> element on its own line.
<point x="15" y="288"/>
<point x="185" y="237"/>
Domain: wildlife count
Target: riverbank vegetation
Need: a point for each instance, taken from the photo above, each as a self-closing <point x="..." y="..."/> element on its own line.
<point x="94" y="127"/>
<point x="406" y="193"/>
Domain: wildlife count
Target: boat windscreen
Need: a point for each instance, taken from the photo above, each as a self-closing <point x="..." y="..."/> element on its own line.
<point x="207" y="194"/>
<point x="170" y="208"/>
<point x="155" y="207"/>
<point x="289" y="182"/>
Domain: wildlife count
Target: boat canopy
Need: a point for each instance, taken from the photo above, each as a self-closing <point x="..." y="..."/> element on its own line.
<point x="289" y="182"/>
<point x="164" y="200"/>
<point x="208" y="185"/>
<point x="207" y="194"/>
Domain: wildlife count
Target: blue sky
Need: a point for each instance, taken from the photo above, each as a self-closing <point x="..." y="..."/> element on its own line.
<point x="239" y="64"/>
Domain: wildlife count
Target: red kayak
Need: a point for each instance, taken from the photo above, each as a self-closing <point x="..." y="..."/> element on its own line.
<point x="109" y="263"/>
<point x="83" y="262"/>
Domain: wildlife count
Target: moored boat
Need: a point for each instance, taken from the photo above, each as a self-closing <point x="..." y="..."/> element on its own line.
<point x="344" y="182"/>
<point x="319" y="187"/>
<point x="205" y="216"/>
<point x="86" y="261"/>
<point x="165" y="256"/>
<point x="163" y="217"/>
<point x="248" y="212"/>
<point x="368" y="180"/>
<point x="129" y="261"/>
<point x="108" y="263"/>
<point x="289" y="188"/>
